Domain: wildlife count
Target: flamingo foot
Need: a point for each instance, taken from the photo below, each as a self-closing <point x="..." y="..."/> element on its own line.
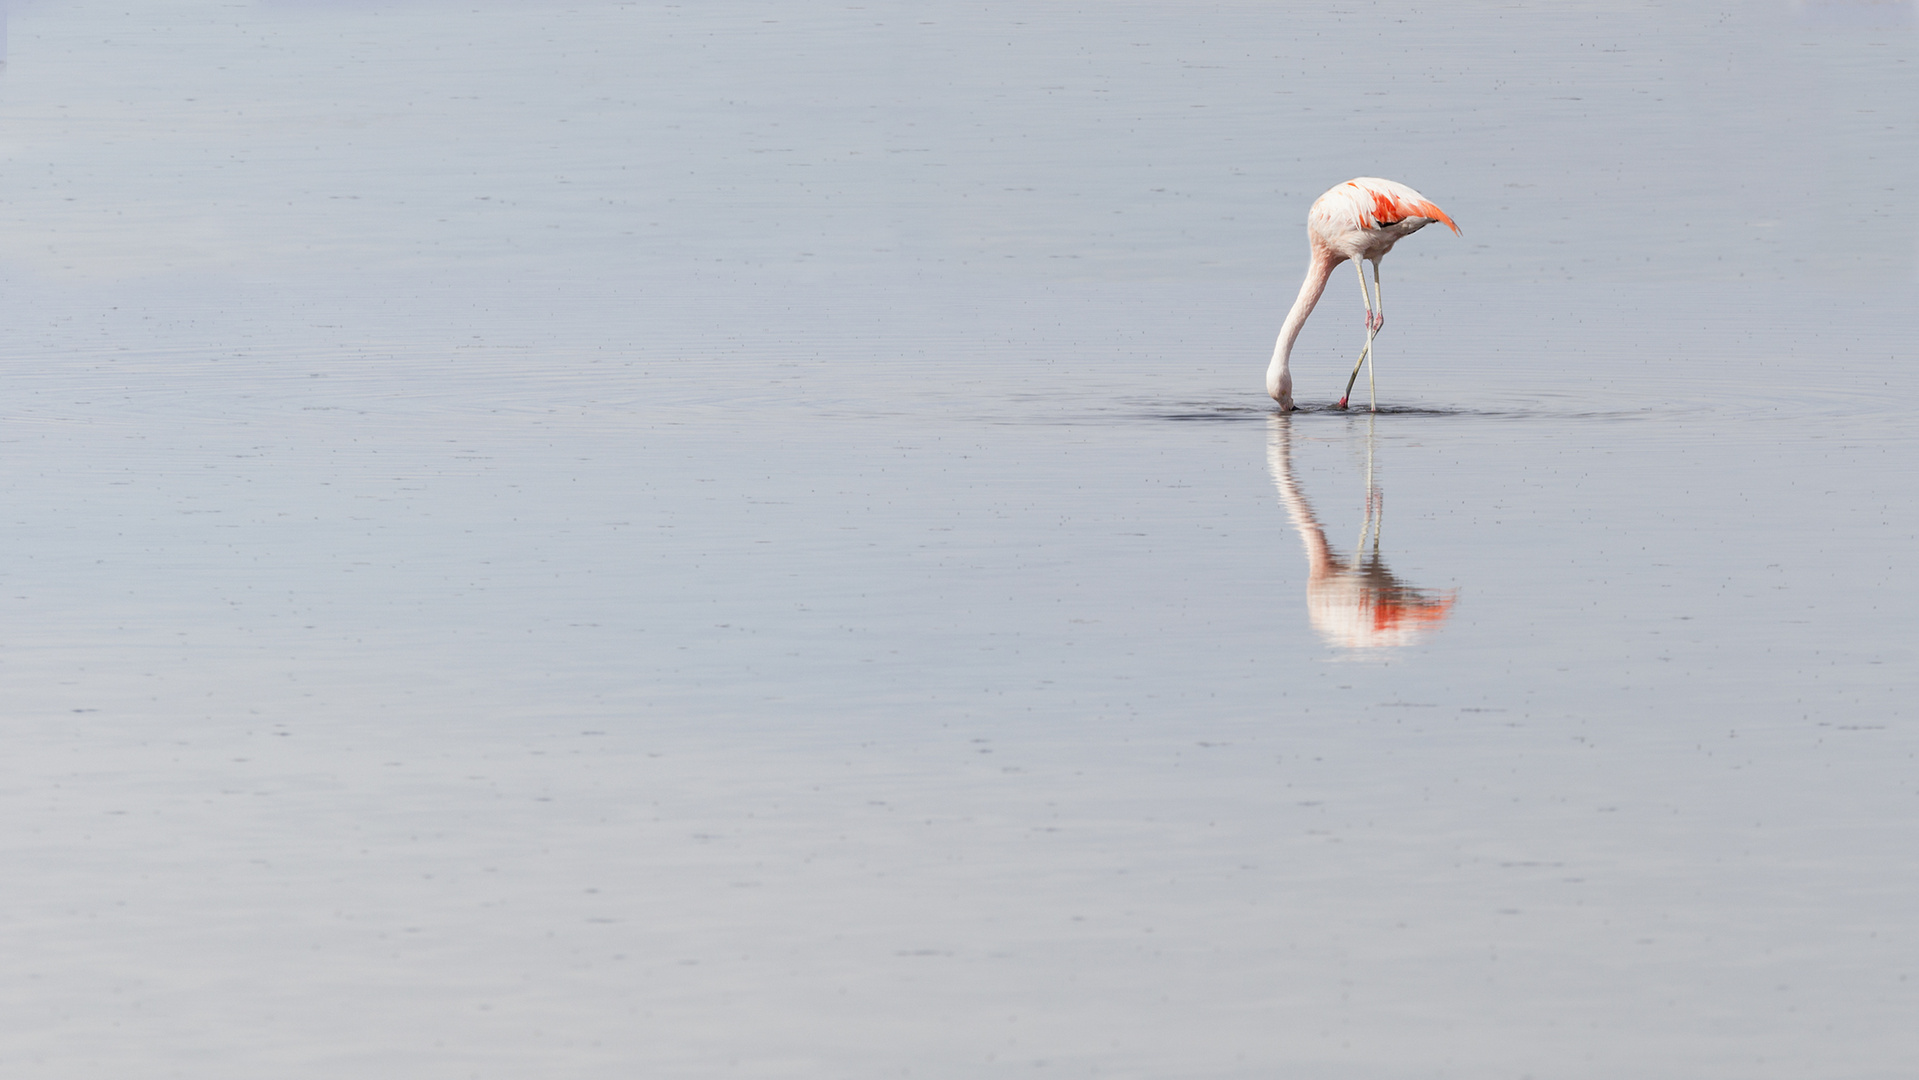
<point x="1341" y="405"/>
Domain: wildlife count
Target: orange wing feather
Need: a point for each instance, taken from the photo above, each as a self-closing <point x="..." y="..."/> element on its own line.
<point x="1388" y="208"/>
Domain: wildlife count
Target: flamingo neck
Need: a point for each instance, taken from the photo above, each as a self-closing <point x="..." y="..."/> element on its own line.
<point x="1279" y="378"/>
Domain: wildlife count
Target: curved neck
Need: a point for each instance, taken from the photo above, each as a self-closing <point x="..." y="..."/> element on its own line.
<point x="1278" y="376"/>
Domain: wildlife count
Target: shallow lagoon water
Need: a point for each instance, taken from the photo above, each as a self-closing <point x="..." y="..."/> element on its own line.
<point x="849" y="631"/>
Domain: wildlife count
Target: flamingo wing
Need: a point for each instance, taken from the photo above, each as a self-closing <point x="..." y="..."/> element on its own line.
<point x="1386" y="202"/>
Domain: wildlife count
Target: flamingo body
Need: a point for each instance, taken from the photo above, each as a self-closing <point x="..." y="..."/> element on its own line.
<point x="1359" y="220"/>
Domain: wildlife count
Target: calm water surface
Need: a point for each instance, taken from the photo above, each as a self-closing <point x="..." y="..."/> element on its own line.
<point x="748" y="540"/>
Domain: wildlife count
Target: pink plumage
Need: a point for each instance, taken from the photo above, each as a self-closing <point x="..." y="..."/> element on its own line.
<point x="1359" y="220"/>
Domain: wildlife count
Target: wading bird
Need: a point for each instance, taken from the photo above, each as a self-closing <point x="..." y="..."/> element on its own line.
<point x="1358" y="220"/>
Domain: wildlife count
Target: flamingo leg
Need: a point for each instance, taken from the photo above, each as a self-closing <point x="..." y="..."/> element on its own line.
<point x="1363" y="353"/>
<point x="1377" y="322"/>
<point x="1372" y="326"/>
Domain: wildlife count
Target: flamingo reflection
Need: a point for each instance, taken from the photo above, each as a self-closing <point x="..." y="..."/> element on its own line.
<point x="1354" y="603"/>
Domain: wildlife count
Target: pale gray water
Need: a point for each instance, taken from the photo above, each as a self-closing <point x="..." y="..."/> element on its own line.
<point x="630" y="540"/>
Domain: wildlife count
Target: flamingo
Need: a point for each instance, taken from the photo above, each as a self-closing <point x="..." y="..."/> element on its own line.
<point x="1360" y="219"/>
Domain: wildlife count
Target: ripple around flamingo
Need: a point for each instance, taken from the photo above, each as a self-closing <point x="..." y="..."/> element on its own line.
<point x="1200" y="413"/>
<point x="1865" y="409"/>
